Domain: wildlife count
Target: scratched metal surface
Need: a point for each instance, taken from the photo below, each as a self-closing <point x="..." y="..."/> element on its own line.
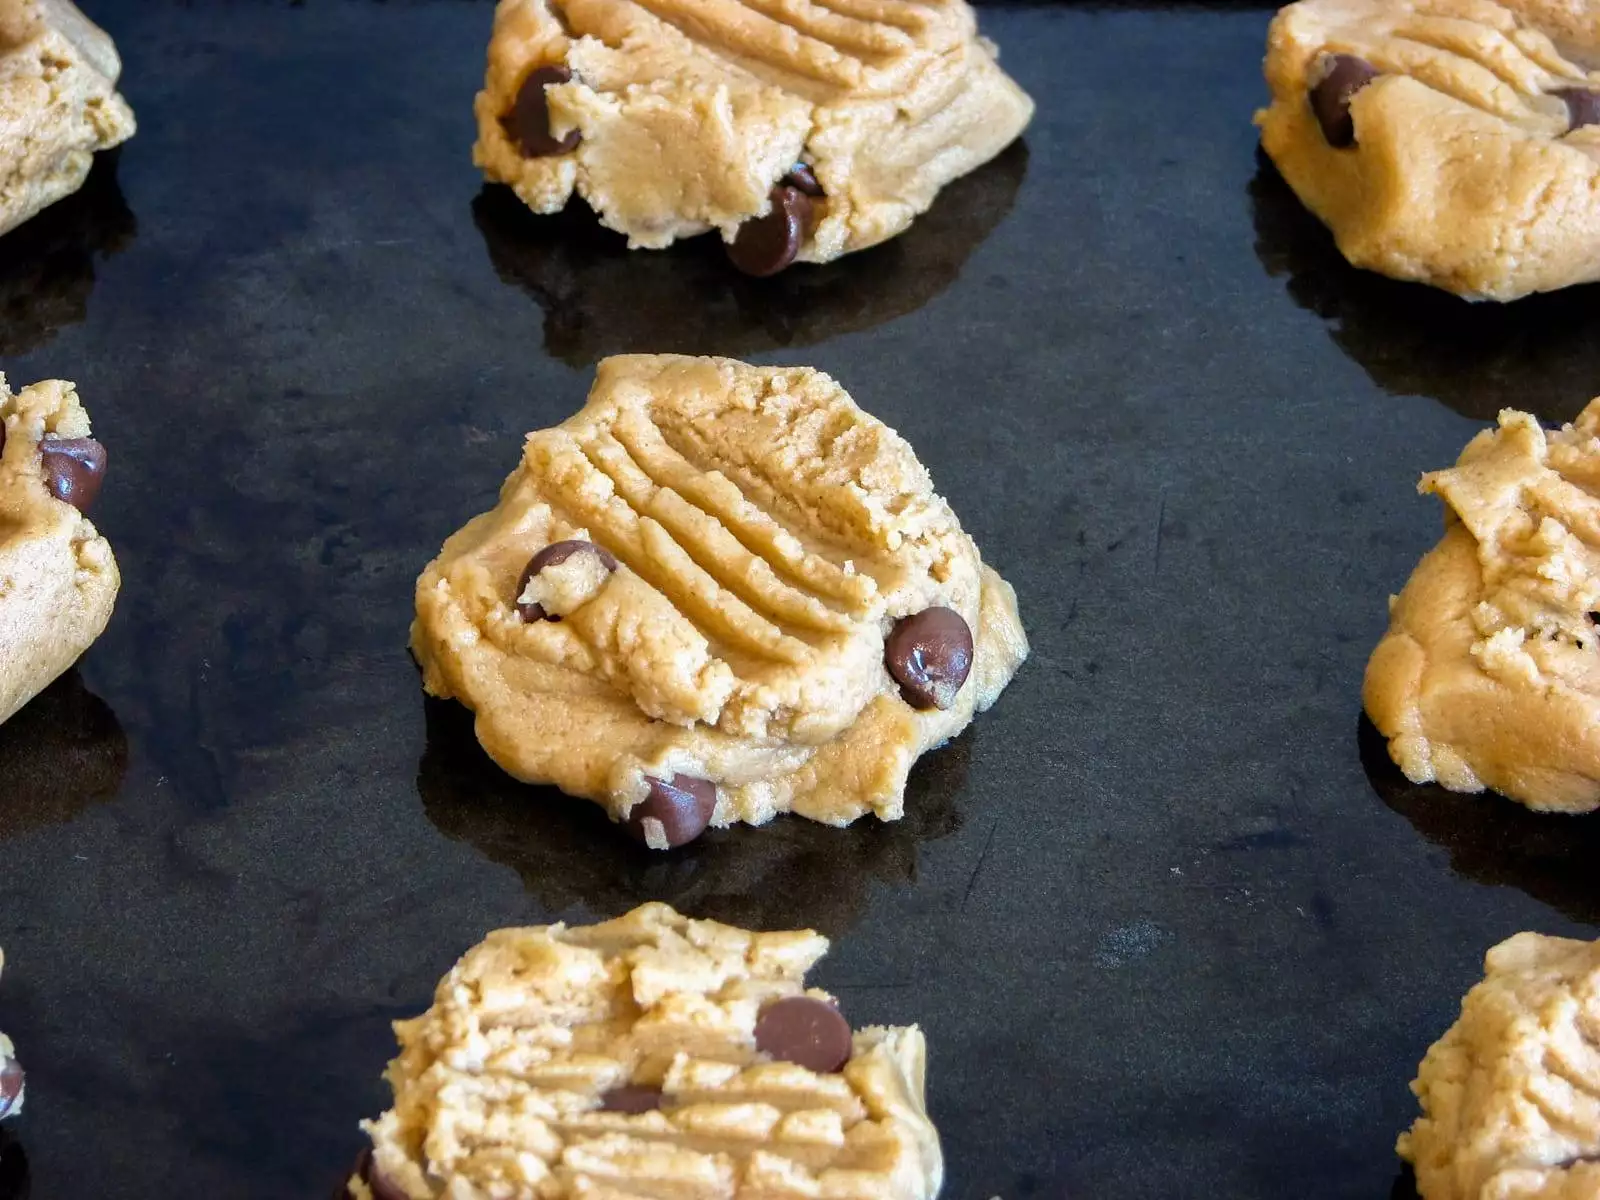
<point x="1172" y="924"/>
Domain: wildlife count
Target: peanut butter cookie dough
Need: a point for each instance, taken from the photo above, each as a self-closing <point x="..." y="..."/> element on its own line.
<point x="1489" y="675"/>
<point x="1446" y="141"/>
<point x="58" y="579"/>
<point x="58" y="104"/>
<point x="652" y="1055"/>
<point x="717" y="593"/>
<point x="1511" y="1094"/>
<point x="800" y="132"/>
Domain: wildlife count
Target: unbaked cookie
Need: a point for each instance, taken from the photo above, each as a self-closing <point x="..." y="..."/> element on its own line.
<point x="58" y="579"/>
<point x="13" y="1080"/>
<point x="1511" y="1095"/>
<point x="652" y="1055"/>
<point x="799" y="131"/>
<point x="1445" y="141"/>
<point x="1489" y="675"/>
<point x="717" y="593"/>
<point x="58" y="104"/>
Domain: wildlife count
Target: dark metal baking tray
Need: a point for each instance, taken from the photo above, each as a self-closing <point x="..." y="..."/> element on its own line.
<point x="1172" y="923"/>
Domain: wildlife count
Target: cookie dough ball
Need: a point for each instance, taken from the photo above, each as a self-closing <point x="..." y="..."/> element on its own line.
<point x="1489" y="675"/>
<point x="1511" y="1095"/>
<point x="58" y="104"/>
<point x="652" y="1055"/>
<point x="718" y="593"/>
<point x="800" y="133"/>
<point x="58" y="579"/>
<point x="1451" y="142"/>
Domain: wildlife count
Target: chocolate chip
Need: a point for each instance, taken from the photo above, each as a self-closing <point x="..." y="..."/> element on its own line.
<point x="805" y="1031"/>
<point x="768" y="244"/>
<point x="631" y="1098"/>
<point x="528" y="122"/>
<point x="554" y="555"/>
<point x="366" y="1170"/>
<point x="1583" y="107"/>
<point x="930" y="655"/>
<point x="12" y="1081"/>
<point x="73" y="469"/>
<point x="683" y="808"/>
<point x="1343" y="76"/>
<point x="803" y="177"/>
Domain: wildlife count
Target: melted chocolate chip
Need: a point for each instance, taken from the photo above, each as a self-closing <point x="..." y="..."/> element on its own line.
<point x="930" y="655"/>
<point x="1344" y="76"/>
<point x="631" y="1098"/>
<point x="768" y="244"/>
<point x="12" y="1081"/>
<point x="684" y="807"/>
<point x="805" y="1031"/>
<point x="73" y="469"/>
<point x="528" y="122"/>
<point x="554" y="555"/>
<point x="1583" y="107"/>
<point x="803" y="177"/>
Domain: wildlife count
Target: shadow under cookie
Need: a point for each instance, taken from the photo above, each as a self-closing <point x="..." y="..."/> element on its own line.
<point x="14" y="1183"/>
<point x="1495" y="841"/>
<point x="1540" y="354"/>
<point x="1405" y="1185"/>
<point x="60" y="753"/>
<point x="789" y="873"/>
<point x="47" y="265"/>
<point x="600" y="298"/>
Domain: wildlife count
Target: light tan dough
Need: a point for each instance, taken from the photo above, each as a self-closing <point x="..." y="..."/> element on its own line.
<point x="1511" y="1095"/>
<point x="691" y="110"/>
<point x="1489" y="675"/>
<point x="1464" y="174"/>
<point x="58" y="104"/>
<point x="498" y="1086"/>
<point x="770" y="534"/>
<point x="58" y="579"/>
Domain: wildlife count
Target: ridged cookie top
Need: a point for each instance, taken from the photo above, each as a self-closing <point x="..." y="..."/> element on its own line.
<point x="1511" y="1094"/>
<point x="1531" y="500"/>
<point x="767" y="531"/>
<point x="1476" y="52"/>
<point x="819" y="48"/>
<point x="500" y="1088"/>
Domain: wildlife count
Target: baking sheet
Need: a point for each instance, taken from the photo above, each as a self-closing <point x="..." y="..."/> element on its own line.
<point x="1173" y="925"/>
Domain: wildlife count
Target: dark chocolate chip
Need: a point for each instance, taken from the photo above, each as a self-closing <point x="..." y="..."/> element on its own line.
<point x="366" y="1170"/>
<point x="12" y="1081"/>
<point x="73" y="469"/>
<point x="803" y="177"/>
<point x="631" y="1098"/>
<point x="805" y="1031"/>
<point x="528" y="122"/>
<point x="1343" y="76"/>
<point x="1577" y="1160"/>
<point x="553" y="555"/>
<point x="2" y="437"/>
<point x="1583" y="107"/>
<point x="768" y="244"/>
<point x="684" y="807"/>
<point x="930" y="655"/>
